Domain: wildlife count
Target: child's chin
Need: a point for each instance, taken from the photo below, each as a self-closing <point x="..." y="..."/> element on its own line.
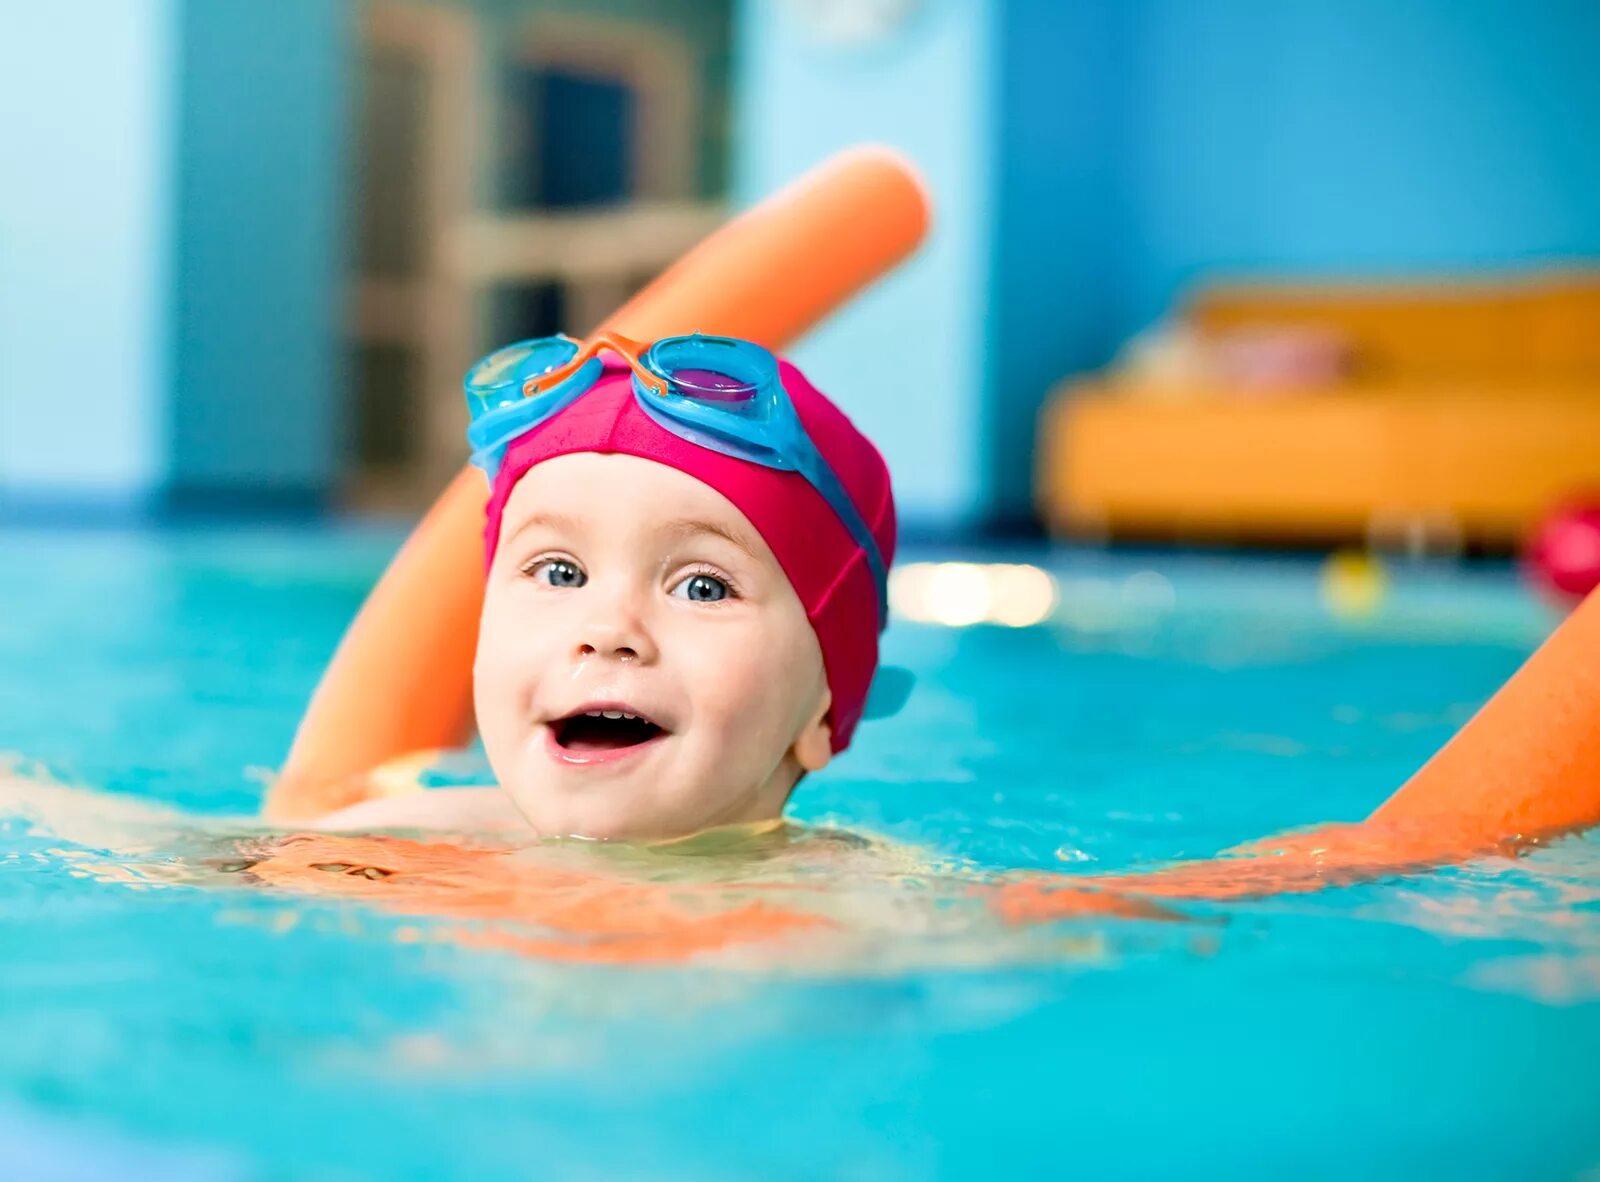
<point x="595" y="820"/>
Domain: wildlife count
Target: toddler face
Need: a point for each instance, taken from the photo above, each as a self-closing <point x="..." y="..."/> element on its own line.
<point x="644" y="668"/>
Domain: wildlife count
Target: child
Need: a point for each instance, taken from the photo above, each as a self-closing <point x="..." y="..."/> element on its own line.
<point x="675" y="627"/>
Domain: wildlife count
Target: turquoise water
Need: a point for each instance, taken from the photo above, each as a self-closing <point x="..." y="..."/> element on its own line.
<point x="1439" y="1025"/>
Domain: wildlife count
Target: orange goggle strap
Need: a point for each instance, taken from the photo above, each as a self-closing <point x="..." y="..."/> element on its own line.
<point x="627" y="348"/>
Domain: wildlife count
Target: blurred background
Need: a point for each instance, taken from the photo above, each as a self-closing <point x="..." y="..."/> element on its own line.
<point x="1209" y="281"/>
<point x="1318" y="272"/>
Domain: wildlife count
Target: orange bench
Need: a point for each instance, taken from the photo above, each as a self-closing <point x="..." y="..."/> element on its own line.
<point x="1466" y="408"/>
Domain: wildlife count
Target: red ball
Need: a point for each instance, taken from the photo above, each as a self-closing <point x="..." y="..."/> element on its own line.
<point x="1564" y="552"/>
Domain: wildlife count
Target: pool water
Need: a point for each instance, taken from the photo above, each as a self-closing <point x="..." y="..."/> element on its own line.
<point x="1436" y="1025"/>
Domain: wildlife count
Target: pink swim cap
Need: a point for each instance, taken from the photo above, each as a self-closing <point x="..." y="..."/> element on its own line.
<point x="827" y="569"/>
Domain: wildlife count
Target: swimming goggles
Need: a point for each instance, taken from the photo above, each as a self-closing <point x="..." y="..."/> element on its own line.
<point x="723" y="394"/>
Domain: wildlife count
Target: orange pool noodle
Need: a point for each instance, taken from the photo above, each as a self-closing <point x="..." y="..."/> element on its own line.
<point x="401" y="680"/>
<point x="1528" y="764"/>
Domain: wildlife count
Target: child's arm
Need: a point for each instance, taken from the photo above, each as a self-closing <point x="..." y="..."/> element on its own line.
<point x="476" y="809"/>
<point x="291" y="801"/>
<point x="392" y="797"/>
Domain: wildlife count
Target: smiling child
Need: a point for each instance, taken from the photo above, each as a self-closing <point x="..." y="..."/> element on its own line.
<point x="687" y="548"/>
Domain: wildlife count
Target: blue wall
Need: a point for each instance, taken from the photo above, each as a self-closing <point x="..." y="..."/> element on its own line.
<point x="171" y="268"/>
<point x="1060" y="87"/>
<point x="1361" y="136"/>
<point x="261" y="264"/>
<point x="85" y="131"/>
<point x="906" y="362"/>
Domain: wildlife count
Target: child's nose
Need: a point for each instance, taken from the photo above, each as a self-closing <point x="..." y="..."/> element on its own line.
<point x="606" y="647"/>
<point x="616" y="637"/>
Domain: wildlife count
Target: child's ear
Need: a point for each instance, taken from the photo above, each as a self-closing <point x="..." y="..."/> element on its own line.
<point x="814" y="747"/>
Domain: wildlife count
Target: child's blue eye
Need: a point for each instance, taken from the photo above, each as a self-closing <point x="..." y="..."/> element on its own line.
<point x="702" y="589"/>
<point x="558" y="572"/>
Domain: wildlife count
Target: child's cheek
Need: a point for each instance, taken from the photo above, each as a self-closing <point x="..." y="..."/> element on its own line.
<point x="746" y="687"/>
<point x="506" y="671"/>
<point x="717" y="661"/>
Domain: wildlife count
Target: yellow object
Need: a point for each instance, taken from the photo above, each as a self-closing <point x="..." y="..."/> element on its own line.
<point x="1470" y="408"/>
<point x="1353" y="584"/>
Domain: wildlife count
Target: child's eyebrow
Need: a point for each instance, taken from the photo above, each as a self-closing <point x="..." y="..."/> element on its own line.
<point x="688" y="527"/>
<point x="555" y="522"/>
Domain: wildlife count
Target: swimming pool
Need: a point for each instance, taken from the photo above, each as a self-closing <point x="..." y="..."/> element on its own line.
<point x="1439" y="1025"/>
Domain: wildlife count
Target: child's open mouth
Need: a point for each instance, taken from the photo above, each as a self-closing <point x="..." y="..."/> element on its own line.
<point x="592" y="732"/>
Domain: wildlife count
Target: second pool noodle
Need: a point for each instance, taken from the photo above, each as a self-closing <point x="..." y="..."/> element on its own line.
<point x="1526" y="767"/>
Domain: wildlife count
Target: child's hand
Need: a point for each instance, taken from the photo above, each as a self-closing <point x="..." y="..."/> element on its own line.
<point x="296" y="801"/>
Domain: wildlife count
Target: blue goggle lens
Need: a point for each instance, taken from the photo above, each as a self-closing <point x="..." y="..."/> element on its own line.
<point x="709" y="385"/>
<point x="717" y="371"/>
<point x="497" y="379"/>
